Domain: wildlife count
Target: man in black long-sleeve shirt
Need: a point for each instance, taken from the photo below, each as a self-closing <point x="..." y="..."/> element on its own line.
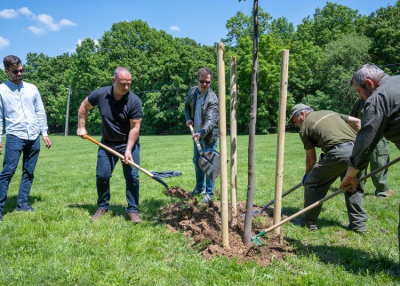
<point x="381" y="117"/>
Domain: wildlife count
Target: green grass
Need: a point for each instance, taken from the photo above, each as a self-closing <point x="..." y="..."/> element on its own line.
<point x="57" y="244"/>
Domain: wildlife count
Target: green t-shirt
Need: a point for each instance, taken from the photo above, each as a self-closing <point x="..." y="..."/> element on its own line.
<point x="325" y="129"/>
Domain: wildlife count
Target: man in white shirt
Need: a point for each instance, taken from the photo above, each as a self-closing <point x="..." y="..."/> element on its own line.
<point x="22" y="108"/>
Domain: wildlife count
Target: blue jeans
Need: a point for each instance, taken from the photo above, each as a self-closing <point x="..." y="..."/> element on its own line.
<point x="209" y="187"/>
<point x="30" y="150"/>
<point x="105" y="165"/>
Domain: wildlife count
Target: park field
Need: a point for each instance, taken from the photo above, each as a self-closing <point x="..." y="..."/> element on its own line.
<point x="59" y="245"/>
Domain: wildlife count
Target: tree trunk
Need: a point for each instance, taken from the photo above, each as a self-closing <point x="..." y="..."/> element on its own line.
<point x="252" y="131"/>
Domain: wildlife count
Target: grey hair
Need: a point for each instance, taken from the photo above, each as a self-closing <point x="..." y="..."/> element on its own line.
<point x="11" y="60"/>
<point x="306" y="111"/>
<point x="364" y="72"/>
<point x="204" y="71"/>
<point x="118" y="70"/>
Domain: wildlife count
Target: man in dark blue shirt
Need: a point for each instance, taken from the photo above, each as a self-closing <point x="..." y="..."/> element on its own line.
<point x="121" y="116"/>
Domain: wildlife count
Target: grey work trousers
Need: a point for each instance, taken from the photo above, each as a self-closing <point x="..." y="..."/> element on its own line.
<point x="332" y="165"/>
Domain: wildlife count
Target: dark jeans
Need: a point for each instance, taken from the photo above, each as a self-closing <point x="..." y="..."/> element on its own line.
<point x="30" y="150"/>
<point x="332" y="165"/>
<point x="209" y="187"/>
<point x="105" y="165"/>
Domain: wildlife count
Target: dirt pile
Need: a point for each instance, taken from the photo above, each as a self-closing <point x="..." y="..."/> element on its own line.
<point x="202" y="222"/>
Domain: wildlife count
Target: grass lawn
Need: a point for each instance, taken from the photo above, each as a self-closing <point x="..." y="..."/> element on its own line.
<point x="57" y="244"/>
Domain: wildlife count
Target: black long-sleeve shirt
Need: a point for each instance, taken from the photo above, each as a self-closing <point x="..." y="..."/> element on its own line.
<point x="381" y="118"/>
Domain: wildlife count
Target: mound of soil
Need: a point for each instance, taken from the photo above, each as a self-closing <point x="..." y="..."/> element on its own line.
<point x="202" y="222"/>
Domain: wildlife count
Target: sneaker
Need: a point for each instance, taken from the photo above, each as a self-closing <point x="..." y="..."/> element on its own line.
<point x="99" y="213"/>
<point x="26" y="208"/>
<point x="300" y="222"/>
<point x="198" y="192"/>
<point x="134" y="217"/>
<point x="207" y="199"/>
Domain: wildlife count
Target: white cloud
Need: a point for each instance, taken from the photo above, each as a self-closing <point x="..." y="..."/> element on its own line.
<point x="25" y="11"/>
<point x="37" y="31"/>
<point x="44" y="22"/>
<point x="8" y="14"/>
<point x="4" y="42"/>
<point x="66" y="23"/>
<point x="48" y="22"/>
<point x="175" y="29"/>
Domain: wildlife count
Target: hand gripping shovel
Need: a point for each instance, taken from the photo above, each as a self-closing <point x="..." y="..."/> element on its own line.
<point x="273" y="201"/>
<point x="115" y="153"/>
<point x="257" y="238"/>
<point x="208" y="160"/>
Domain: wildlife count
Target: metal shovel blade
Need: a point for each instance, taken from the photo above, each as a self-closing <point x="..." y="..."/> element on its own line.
<point x="209" y="163"/>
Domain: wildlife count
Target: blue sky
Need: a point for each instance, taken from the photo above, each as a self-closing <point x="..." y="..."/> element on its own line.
<point x="56" y="27"/>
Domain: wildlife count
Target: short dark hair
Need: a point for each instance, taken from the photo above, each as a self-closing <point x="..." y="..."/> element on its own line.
<point x="204" y="71"/>
<point x="10" y="61"/>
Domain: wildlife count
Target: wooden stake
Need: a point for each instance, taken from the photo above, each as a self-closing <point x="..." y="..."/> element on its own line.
<point x="281" y="139"/>
<point x="233" y="141"/>
<point x="222" y="146"/>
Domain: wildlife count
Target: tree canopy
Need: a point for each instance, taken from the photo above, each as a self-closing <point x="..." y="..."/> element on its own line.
<point x="325" y="49"/>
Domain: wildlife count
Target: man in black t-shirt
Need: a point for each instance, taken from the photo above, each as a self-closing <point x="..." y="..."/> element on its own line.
<point x="121" y="116"/>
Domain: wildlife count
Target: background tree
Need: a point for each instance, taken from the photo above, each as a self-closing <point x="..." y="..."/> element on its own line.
<point x="383" y="28"/>
<point x="330" y="23"/>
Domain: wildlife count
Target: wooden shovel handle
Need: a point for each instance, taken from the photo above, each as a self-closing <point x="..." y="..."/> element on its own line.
<point x="112" y="151"/>
<point x="197" y="141"/>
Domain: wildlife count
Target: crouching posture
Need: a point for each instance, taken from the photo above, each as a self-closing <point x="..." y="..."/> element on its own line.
<point x="334" y="134"/>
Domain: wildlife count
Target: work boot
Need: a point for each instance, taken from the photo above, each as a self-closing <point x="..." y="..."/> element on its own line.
<point x="134" y="217"/>
<point x="99" y="213"/>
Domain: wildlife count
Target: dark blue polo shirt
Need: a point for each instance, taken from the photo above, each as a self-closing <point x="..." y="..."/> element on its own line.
<point x="116" y="115"/>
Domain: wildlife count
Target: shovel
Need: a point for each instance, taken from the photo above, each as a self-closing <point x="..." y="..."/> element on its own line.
<point x="273" y="201"/>
<point x="257" y="238"/>
<point x="208" y="160"/>
<point x="115" y="153"/>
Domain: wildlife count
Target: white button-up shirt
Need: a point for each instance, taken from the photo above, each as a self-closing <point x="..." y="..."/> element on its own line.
<point x="23" y="110"/>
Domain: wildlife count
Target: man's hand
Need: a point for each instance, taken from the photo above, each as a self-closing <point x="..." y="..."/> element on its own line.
<point x="189" y="122"/>
<point x="127" y="157"/>
<point x="81" y="132"/>
<point x="46" y="140"/>
<point x="196" y="136"/>
<point x="350" y="179"/>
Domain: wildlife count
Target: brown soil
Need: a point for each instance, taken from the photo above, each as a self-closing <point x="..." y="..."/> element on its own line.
<point x="202" y="222"/>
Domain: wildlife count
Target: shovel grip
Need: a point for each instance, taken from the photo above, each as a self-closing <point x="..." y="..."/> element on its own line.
<point x="196" y="141"/>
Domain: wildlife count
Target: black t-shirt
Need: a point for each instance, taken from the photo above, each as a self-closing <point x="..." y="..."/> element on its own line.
<point x="116" y="115"/>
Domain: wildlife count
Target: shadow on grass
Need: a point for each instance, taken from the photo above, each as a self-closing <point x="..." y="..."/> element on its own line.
<point x="148" y="208"/>
<point x="353" y="260"/>
<point x="322" y="222"/>
<point x="11" y="203"/>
